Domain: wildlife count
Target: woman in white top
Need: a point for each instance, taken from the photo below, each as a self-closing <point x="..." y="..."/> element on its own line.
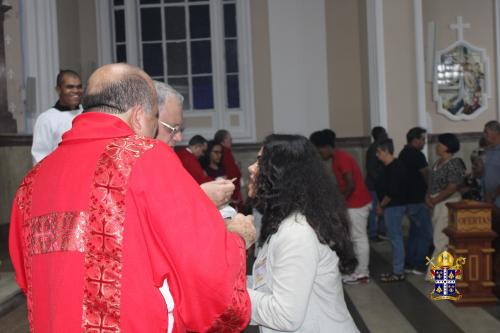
<point x="305" y="243"/>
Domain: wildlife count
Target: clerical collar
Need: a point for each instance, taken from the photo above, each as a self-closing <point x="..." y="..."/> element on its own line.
<point x="61" y="107"/>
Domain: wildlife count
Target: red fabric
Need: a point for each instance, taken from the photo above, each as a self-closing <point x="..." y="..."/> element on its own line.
<point x="233" y="171"/>
<point x="142" y="219"/>
<point x="193" y="166"/>
<point x="343" y="163"/>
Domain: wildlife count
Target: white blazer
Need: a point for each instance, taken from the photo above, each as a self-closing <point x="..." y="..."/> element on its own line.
<point x="297" y="285"/>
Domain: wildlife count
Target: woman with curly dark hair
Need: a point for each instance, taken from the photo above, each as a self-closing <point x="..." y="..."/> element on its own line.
<point x="304" y="240"/>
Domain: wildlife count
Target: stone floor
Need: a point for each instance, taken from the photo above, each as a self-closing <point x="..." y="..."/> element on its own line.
<point x="376" y="307"/>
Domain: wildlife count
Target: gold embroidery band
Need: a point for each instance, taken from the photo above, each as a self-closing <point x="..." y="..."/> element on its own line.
<point x="104" y="239"/>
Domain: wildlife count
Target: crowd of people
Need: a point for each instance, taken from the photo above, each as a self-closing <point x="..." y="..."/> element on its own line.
<point x="142" y="239"/>
<point x="407" y="186"/>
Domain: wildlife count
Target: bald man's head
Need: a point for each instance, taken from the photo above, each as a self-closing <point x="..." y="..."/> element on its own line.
<point x="116" y="88"/>
<point x="125" y="91"/>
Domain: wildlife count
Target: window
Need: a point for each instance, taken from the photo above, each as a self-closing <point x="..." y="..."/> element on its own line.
<point x="201" y="48"/>
<point x="120" y="53"/>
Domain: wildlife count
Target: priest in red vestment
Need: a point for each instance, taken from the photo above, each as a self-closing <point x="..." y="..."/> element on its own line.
<point x="230" y="166"/>
<point x="100" y="223"/>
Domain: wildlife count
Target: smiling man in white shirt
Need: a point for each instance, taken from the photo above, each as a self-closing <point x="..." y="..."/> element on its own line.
<point x="51" y="124"/>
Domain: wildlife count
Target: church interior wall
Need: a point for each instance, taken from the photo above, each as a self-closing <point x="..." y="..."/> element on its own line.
<point x="88" y="38"/>
<point x="401" y="85"/>
<point x="68" y="29"/>
<point x="77" y="36"/>
<point x="346" y="91"/>
<point x="261" y="68"/>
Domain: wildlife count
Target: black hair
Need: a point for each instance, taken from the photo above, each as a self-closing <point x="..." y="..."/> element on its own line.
<point x="293" y="179"/>
<point x="378" y="133"/>
<point x="64" y="72"/>
<point x="205" y="159"/>
<point x="323" y="138"/>
<point x="450" y="141"/>
<point x="197" y="140"/>
<point x="385" y="145"/>
<point x="415" y="133"/>
<point x="118" y="97"/>
<point x="221" y="135"/>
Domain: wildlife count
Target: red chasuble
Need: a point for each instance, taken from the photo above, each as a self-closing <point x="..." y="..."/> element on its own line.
<point x="99" y="224"/>
<point x="233" y="171"/>
<point x="193" y="166"/>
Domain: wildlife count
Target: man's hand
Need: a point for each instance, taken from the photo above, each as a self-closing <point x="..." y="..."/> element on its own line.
<point x="243" y="226"/>
<point x="219" y="191"/>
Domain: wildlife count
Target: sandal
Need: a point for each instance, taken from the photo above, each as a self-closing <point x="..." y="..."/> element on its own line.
<point x="391" y="277"/>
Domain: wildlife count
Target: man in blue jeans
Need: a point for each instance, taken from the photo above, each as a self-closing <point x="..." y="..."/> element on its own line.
<point x="420" y="234"/>
<point x="393" y="206"/>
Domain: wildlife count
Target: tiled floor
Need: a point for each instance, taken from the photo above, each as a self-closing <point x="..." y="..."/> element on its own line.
<point x="400" y="307"/>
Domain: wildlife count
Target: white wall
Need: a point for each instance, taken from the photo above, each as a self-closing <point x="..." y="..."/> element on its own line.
<point x="298" y="65"/>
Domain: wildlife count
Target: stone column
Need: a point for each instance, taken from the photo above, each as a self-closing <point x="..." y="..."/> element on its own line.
<point x="7" y="123"/>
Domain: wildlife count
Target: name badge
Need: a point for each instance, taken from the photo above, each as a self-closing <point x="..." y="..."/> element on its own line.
<point x="260" y="273"/>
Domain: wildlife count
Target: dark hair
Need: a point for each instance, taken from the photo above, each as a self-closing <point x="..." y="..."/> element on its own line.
<point x="415" y="133"/>
<point x="118" y="97"/>
<point x="493" y="126"/>
<point x="221" y="135"/>
<point x="62" y="73"/>
<point x="323" y="138"/>
<point x="385" y="145"/>
<point x="197" y="140"/>
<point x="205" y="159"/>
<point x="450" y="141"/>
<point x="378" y="133"/>
<point x="293" y="179"/>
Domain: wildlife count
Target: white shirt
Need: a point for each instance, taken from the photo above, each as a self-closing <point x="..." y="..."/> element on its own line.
<point x="48" y="130"/>
<point x="297" y="284"/>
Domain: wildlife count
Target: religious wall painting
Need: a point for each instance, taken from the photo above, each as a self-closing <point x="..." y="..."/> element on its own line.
<point x="461" y="79"/>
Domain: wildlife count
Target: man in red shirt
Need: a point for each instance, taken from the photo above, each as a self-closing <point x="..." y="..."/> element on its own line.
<point x="99" y="224"/>
<point x="232" y="169"/>
<point x="358" y="199"/>
<point x="189" y="156"/>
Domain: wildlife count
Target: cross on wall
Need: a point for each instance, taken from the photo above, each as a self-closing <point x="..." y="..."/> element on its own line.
<point x="460" y="26"/>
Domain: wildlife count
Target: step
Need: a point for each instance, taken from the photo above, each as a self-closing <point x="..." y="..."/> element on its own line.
<point x="10" y="293"/>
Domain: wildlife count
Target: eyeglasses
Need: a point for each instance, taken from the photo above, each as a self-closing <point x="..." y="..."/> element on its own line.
<point x="173" y="130"/>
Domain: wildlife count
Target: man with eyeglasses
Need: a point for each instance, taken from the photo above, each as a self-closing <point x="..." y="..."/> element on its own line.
<point x="170" y="128"/>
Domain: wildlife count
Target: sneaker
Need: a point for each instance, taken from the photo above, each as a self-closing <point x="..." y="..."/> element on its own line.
<point x="391" y="277"/>
<point x="355" y="279"/>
